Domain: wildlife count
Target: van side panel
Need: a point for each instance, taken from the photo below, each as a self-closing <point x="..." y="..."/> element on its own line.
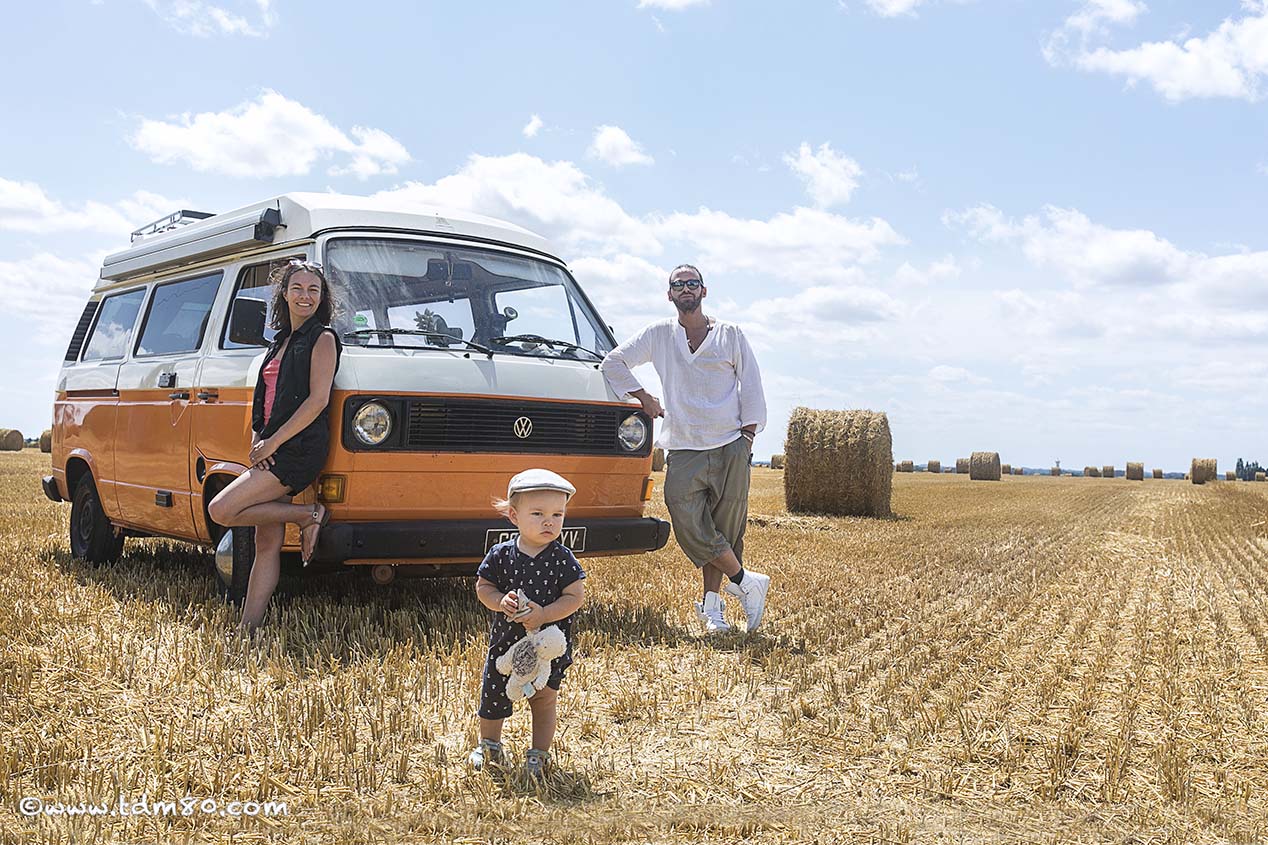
<point x="152" y="445"/>
<point x="84" y="412"/>
<point x="222" y="420"/>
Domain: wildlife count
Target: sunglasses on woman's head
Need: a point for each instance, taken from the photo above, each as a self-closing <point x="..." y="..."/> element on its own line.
<point x="689" y="284"/>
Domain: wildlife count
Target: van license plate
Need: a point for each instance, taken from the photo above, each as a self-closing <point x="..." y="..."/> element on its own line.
<point x="573" y="538"/>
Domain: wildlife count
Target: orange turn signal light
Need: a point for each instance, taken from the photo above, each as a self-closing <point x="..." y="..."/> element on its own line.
<point x="330" y="488"/>
<point x="648" y="487"/>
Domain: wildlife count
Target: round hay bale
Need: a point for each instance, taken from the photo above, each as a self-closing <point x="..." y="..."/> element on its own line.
<point x="11" y="440"/>
<point x="907" y="466"/>
<point x="1135" y="471"/>
<point x="1157" y="473"/>
<point x="837" y="462"/>
<point x="934" y="466"/>
<point x="1055" y="472"/>
<point x="658" y="459"/>
<point x="1202" y="470"/>
<point x="1230" y="476"/>
<point x="46" y="441"/>
<point x="1259" y="476"/>
<point x="776" y="461"/>
<point x="1018" y="471"/>
<point x="962" y="466"/>
<point x="1107" y="471"/>
<point x="1091" y="472"/>
<point x="1006" y="470"/>
<point x="984" y="466"/>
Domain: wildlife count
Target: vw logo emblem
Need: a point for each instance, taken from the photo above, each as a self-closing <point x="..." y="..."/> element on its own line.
<point x="523" y="427"/>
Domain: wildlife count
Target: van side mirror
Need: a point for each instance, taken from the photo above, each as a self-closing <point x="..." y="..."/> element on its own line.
<point x="246" y="321"/>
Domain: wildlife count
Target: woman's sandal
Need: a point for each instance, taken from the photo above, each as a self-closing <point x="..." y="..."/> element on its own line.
<point x="319" y="523"/>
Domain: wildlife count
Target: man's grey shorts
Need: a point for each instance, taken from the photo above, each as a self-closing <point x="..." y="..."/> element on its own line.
<point x="707" y="496"/>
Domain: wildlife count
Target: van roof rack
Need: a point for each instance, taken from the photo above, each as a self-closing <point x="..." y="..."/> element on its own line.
<point x="165" y="224"/>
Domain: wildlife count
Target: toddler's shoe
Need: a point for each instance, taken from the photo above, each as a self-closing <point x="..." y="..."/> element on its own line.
<point x="535" y="764"/>
<point x="488" y="754"/>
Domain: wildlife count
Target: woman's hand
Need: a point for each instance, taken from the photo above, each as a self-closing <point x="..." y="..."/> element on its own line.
<point x="261" y="456"/>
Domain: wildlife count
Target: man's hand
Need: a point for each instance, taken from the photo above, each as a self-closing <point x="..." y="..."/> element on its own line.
<point x="651" y="405"/>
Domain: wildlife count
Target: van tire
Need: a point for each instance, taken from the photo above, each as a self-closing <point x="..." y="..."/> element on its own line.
<point x="234" y="588"/>
<point x="92" y="537"/>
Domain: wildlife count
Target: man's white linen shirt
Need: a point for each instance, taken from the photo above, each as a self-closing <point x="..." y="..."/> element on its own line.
<point x="710" y="394"/>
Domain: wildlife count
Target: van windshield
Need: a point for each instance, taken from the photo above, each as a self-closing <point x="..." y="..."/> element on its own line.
<point x="413" y="294"/>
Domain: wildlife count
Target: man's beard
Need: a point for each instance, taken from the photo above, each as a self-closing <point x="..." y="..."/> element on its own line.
<point x="685" y="308"/>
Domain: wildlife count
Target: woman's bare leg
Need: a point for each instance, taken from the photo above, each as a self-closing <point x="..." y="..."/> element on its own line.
<point x="264" y="574"/>
<point x="257" y="497"/>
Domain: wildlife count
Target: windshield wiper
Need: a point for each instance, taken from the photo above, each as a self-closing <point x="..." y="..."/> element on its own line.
<point x="544" y="341"/>
<point x="448" y="338"/>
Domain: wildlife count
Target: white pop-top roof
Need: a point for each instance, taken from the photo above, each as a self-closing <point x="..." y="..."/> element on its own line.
<point x="304" y="215"/>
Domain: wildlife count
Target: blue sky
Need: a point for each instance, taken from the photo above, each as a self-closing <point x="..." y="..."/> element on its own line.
<point x="1031" y="227"/>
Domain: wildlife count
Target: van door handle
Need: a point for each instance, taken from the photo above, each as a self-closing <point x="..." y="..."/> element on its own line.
<point x="167" y="380"/>
<point x="208" y="395"/>
<point x="180" y="394"/>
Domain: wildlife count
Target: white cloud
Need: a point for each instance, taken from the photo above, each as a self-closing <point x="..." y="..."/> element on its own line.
<point x="26" y="207"/>
<point x="48" y="290"/>
<point x="830" y="177"/>
<point x="944" y="269"/>
<point x="555" y="199"/>
<point x="1231" y="61"/>
<point x="798" y="247"/>
<point x="824" y="317"/>
<point x="1095" y="15"/>
<point x="1086" y="252"/>
<point x="268" y="137"/>
<point x="612" y="145"/>
<point x="671" y="5"/>
<point x="195" y="17"/>
<point x="894" y="8"/>
<point x="627" y="289"/>
<point x="951" y="375"/>
<point x="533" y="126"/>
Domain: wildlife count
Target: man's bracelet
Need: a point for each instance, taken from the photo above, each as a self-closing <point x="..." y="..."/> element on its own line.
<point x="750" y="435"/>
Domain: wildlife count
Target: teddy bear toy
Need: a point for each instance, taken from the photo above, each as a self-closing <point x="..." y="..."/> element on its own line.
<point x="527" y="662"/>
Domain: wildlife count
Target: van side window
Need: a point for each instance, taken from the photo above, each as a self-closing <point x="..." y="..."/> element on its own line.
<point x="177" y="316"/>
<point x="112" y="334"/>
<point x="253" y="283"/>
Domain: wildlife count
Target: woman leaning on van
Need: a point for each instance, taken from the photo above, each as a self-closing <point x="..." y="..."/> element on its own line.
<point x="291" y="431"/>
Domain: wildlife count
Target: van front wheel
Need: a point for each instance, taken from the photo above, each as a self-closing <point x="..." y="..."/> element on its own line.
<point x="235" y="555"/>
<point x="92" y="537"/>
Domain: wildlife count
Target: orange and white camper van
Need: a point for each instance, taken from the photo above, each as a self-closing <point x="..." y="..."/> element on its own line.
<point x="470" y="353"/>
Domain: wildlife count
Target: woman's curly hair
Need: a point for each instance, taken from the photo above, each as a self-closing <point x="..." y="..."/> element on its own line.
<point x="280" y="277"/>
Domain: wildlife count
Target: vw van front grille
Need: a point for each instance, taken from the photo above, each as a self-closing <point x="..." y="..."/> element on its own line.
<point x="466" y="425"/>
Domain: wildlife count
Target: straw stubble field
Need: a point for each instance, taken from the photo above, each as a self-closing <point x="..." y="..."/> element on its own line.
<point x="1037" y="660"/>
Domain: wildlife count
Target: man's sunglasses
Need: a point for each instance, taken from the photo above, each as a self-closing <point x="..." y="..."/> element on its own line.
<point x="689" y="284"/>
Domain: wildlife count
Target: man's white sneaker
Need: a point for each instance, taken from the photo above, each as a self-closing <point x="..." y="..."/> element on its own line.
<point x="752" y="595"/>
<point x="710" y="614"/>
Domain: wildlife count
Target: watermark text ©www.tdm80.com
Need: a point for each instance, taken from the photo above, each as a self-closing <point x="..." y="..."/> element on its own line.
<point x="32" y="806"/>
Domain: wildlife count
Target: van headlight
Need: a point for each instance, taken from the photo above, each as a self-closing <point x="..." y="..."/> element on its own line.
<point x="632" y="434"/>
<point x="372" y="423"/>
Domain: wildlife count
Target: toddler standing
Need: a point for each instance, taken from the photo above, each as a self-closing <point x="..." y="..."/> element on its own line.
<point x="551" y="578"/>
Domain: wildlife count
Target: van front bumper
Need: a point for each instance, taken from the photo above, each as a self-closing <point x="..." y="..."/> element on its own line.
<point x="468" y="539"/>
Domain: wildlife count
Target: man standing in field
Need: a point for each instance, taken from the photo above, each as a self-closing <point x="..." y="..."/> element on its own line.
<point x="714" y="407"/>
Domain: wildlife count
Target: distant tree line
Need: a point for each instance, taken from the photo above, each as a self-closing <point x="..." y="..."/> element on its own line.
<point x="1246" y="469"/>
